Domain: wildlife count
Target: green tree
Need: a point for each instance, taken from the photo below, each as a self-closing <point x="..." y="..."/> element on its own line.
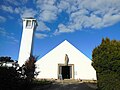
<point x="106" y="61"/>
<point x="9" y="77"/>
<point x="6" y="59"/>
<point x="30" y="67"/>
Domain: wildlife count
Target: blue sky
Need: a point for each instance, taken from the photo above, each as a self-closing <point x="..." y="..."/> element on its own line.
<point x="82" y="22"/>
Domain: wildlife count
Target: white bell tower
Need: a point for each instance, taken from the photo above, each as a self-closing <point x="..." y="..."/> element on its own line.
<point x="29" y="26"/>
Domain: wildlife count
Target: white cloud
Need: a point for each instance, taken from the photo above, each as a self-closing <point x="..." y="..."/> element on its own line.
<point x="47" y="16"/>
<point x="14" y="2"/>
<point x="48" y="10"/>
<point x="2" y="19"/>
<point x="3" y="32"/>
<point x="12" y="10"/>
<point x="17" y="10"/>
<point x="42" y="26"/>
<point x="89" y="14"/>
<point x="7" y="8"/>
<point x="10" y="17"/>
<point x="9" y="36"/>
<point x="63" y="29"/>
<point x="40" y="36"/>
<point x="64" y="5"/>
<point x="24" y="1"/>
<point x="82" y="13"/>
<point x="109" y="20"/>
<point x="28" y="12"/>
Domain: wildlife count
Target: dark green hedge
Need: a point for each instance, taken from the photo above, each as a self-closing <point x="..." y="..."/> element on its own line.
<point x="106" y="61"/>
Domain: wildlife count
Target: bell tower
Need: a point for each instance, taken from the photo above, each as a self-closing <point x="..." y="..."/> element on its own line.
<point x="29" y="26"/>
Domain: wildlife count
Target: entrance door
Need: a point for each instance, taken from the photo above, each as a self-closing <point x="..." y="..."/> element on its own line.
<point x="66" y="72"/>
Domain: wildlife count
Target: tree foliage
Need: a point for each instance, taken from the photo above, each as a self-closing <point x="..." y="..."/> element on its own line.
<point x="30" y="67"/>
<point x="10" y="78"/>
<point x="6" y="59"/>
<point x="106" y="61"/>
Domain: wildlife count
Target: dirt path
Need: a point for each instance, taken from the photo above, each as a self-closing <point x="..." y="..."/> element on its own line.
<point x="68" y="86"/>
<point x="79" y="86"/>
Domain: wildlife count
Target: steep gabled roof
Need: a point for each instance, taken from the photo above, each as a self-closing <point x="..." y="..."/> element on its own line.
<point x="66" y="48"/>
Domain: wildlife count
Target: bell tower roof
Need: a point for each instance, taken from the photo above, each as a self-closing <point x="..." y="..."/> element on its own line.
<point x="30" y="18"/>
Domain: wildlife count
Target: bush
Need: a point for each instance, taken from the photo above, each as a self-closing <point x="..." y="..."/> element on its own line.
<point x="109" y="81"/>
<point x="106" y="61"/>
<point x="9" y="78"/>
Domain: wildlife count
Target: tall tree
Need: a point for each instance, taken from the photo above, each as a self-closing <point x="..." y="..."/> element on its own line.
<point x="106" y="61"/>
<point x="30" y="67"/>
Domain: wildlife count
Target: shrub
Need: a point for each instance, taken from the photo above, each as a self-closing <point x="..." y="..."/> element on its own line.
<point x="106" y="61"/>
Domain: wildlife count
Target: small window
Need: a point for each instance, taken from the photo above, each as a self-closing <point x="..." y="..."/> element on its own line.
<point x="28" y="23"/>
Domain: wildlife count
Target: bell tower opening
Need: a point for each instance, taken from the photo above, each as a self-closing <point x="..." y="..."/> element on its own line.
<point x="28" y="23"/>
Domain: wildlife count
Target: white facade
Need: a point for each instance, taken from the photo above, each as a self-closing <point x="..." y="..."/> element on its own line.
<point x="29" y="25"/>
<point x="52" y="65"/>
